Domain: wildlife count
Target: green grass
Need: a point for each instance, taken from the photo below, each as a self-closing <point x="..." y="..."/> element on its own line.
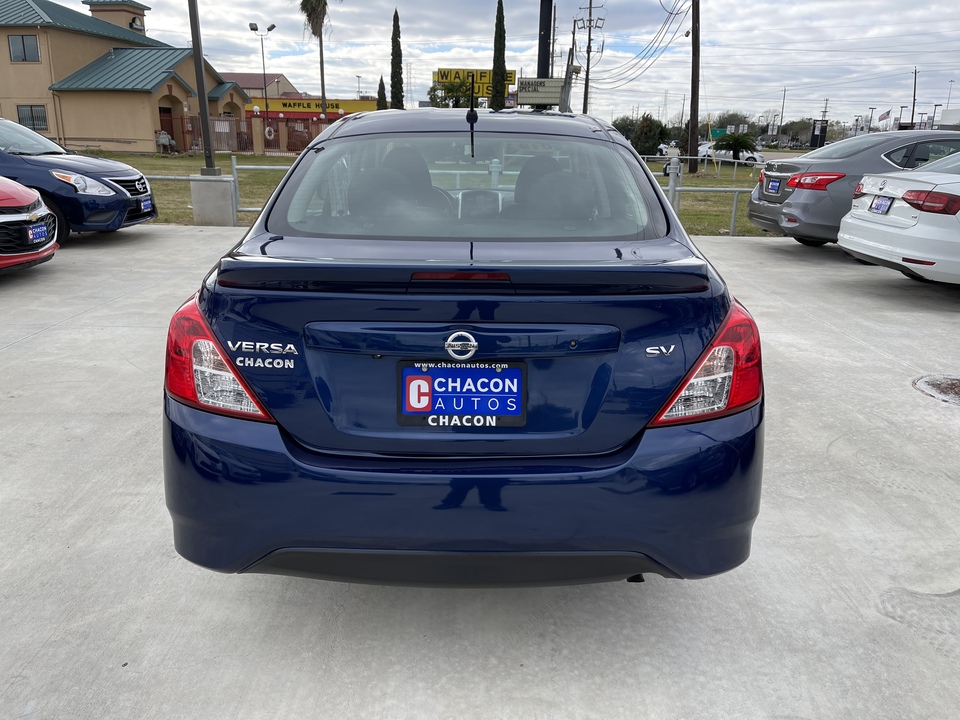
<point x="709" y="213"/>
<point x="173" y="196"/>
<point x="701" y="214"/>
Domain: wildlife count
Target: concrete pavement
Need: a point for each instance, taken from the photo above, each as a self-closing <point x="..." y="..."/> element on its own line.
<point x="848" y="608"/>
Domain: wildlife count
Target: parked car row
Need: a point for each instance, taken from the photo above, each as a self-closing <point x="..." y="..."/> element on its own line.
<point x="868" y="193"/>
<point x="81" y="193"/>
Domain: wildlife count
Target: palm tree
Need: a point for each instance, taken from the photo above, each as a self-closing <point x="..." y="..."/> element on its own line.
<point x="736" y="143"/>
<point x="315" y="12"/>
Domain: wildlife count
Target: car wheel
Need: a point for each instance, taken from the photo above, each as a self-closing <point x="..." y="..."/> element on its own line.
<point x="810" y="242"/>
<point x="63" y="227"/>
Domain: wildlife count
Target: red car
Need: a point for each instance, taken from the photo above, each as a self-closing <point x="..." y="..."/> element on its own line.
<point x="28" y="230"/>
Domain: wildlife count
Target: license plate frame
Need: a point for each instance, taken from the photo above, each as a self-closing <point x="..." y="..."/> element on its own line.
<point x="36" y="233"/>
<point x="424" y="402"/>
<point x="880" y="204"/>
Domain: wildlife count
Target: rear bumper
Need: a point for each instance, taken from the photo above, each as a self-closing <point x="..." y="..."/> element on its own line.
<point x="889" y="247"/>
<point x="800" y="215"/>
<point x="680" y="503"/>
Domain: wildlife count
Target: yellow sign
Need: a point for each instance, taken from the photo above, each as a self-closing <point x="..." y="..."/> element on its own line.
<point x="311" y="105"/>
<point x="482" y="79"/>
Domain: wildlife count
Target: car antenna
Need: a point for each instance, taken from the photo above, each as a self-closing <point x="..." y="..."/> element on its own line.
<point x="471" y="113"/>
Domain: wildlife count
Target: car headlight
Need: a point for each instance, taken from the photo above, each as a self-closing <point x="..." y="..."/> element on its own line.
<point x="83" y="184"/>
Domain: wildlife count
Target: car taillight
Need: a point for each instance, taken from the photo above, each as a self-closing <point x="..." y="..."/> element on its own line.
<point x="760" y="179"/>
<point x="932" y="202"/>
<point x="858" y="191"/>
<point x="727" y="379"/>
<point x="198" y="372"/>
<point x="813" y="181"/>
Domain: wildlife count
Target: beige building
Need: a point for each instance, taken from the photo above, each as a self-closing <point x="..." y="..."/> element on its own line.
<point x="97" y="81"/>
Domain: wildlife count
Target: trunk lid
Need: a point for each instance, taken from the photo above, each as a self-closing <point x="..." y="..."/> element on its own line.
<point x="882" y="202"/>
<point x="776" y="173"/>
<point x="586" y="346"/>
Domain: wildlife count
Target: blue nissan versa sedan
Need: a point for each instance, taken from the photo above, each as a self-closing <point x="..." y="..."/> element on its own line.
<point x="86" y="194"/>
<point x="455" y="353"/>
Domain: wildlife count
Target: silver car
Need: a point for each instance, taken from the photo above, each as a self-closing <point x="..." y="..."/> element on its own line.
<point x="806" y="197"/>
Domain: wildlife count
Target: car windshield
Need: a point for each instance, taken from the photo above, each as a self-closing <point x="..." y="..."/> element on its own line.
<point x="18" y="140"/>
<point x="846" y="148"/>
<point x="949" y="164"/>
<point x="431" y="186"/>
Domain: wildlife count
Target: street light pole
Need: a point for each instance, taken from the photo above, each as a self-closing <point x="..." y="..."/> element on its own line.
<point x="870" y="121"/>
<point x="255" y="29"/>
<point x="210" y="166"/>
<point x="358" y="86"/>
<point x="933" y="118"/>
<point x="950" y="90"/>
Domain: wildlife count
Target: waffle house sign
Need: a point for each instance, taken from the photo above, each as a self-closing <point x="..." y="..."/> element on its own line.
<point x="482" y="79"/>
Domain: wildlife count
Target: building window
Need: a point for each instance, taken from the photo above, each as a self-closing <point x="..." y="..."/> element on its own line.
<point x="24" y="48"/>
<point x="33" y="116"/>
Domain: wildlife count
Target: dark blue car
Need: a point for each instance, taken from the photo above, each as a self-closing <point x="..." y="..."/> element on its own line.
<point x="464" y="354"/>
<point x="87" y="194"/>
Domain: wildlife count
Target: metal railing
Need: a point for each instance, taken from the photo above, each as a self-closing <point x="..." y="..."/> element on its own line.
<point x="236" y="181"/>
<point x="234" y="194"/>
<point x="674" y="170"/>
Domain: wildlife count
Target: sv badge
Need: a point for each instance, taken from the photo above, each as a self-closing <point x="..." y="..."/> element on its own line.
<point x="657" y="350"/>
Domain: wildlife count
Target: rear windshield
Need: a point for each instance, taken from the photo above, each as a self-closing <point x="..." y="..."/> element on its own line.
<point x="847" y="148"/>
<point x="430" y="186"/>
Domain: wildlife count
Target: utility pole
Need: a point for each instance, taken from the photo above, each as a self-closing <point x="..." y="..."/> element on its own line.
<point x="553" y="41"/>
<point x="586" y="77"/>
<point x="825" y="102"/>
<point x="914" y="106"/>
<point x="693" y="135"/>
<point x="870" y="121"/>
<point x="543" y="48"/>
<point x="783" y="104"/>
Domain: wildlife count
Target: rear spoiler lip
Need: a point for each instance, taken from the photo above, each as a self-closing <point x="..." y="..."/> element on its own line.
<point x="690" y="275"/>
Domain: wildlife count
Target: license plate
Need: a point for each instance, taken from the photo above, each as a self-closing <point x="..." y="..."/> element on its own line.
<point x="773" y="186"/>
<point x="37" y="233"/>
<point x="146" y="204"/>
<point x="880" y="204"/>
<point x="442" y="394"/>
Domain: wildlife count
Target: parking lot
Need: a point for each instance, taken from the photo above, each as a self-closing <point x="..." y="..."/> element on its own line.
<point x="848" y="608"/>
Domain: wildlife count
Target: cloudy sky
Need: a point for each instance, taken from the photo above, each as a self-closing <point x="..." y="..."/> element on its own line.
<point x="848" y="55"/>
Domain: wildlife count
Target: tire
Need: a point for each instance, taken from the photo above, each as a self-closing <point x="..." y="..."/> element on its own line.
<point x="809" y="242"/>
<point x="63" y="227"/>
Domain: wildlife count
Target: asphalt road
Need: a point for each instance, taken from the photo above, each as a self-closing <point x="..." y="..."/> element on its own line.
<point x="848" y="608"/>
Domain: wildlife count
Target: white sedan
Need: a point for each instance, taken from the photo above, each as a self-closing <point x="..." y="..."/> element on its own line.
<point x="908" y="221"/>
<point x="707" y="151"/>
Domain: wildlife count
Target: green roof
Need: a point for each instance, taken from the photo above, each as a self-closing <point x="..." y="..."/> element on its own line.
<point x="222" y="89"/>
<point x="129" y="70"/>
<point x="43" y="13"/>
